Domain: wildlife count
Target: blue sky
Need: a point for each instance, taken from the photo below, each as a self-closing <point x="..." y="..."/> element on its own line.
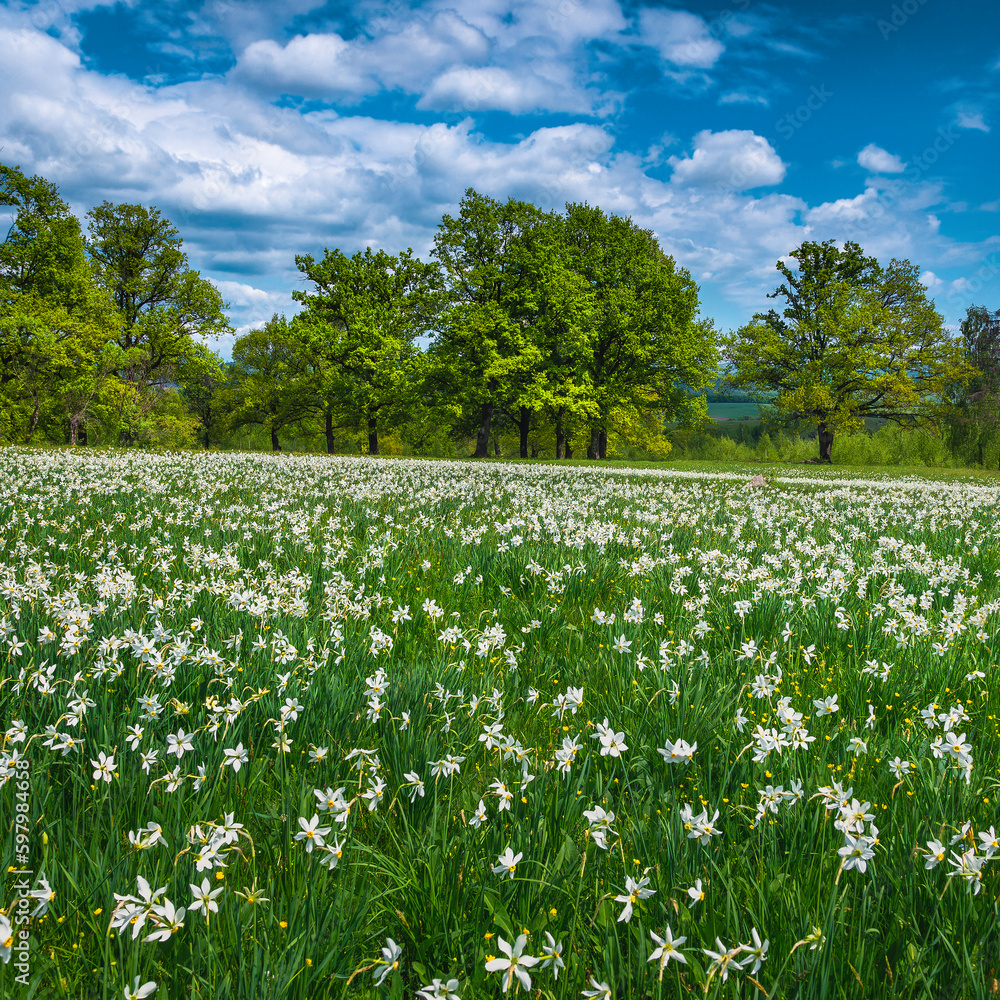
<point x="265" y="129"/>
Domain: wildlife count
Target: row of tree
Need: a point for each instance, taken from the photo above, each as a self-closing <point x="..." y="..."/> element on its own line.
<point x="577" y="322"/>
<point x="574" y="328"/>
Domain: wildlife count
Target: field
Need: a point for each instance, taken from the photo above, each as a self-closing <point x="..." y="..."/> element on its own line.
<point x="322" y="727"/>
<point x="734" y="410"/>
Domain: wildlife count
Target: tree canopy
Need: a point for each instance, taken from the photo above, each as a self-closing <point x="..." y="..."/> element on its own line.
<point x="162" y="304"/>
<point x="560" y="330"/>
<point x="359" y="325"/>
<point x="580" y="316"/>
<point x="647" y="352"/>
<point x="56" y="326"/>
<point x="973" y="414"/>
<point x="853" y="340"/>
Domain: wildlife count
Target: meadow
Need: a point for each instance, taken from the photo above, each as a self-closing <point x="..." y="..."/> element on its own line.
<point x="309" y="727"/>
<point x="734" y="410"/>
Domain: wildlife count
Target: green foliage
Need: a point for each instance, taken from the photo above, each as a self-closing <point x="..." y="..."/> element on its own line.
<point x="357" y="330"/>
<point x="137" y="259"/>
<point x="853" y="340"/>
<point x="486" y="351"/>
<point x="169" y="424"/>
<point x="202" y="379"/>
<point x="43" y="253"/>
<point x="648" y="352"/>
<point x="533" y="333"/>
<point x="971" y="411"/>
<point x="92" y="330"/>
<point x="55" y="324"/>
<point x="578" y="319"/>
<point x="265" y="365"/>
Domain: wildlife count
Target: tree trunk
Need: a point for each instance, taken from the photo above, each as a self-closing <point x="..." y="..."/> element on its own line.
<point x="372" y="436"/>
<point x="569" y="449"/>
<point x="73" y="424"/>
<point x="483" y="434"/>
<point x="275" y="444"/>
<point x="523" y="425"/>
<point x="560" y="433"/>
<point x="496" y="446"/>
<point x="32" y="424"/>
<point x="602" y="445"/>
<point x="83" y="434"/>
<point x="825" y="443"/>
<point x="328" y="431"/>
<point x="593" y="447"/>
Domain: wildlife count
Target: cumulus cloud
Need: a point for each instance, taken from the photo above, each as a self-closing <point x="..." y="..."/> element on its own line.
<point x="250" y="184"/>
<point x="399" y="54"/>
<point x="893" y="217"/>
<point x="474" y="88"/>
<point x="681" y="38"/>
<point x="319" y="65"/>
<point x="734" y="159"/>
<point x="240" y="293"/>
<point x="564" y="23"/>
<point x="878" y="161"/>
<point x="515" y="57"/>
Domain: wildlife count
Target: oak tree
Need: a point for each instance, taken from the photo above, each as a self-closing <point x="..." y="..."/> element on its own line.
<point x="163" y="304"/>
<point x="853" y="339"/>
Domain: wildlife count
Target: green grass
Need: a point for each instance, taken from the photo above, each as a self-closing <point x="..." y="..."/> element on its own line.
<point x="734" y="411"/>
<point x="844" y="572"/>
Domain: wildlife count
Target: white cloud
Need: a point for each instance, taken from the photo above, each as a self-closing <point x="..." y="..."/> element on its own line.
<point x="731" y="160"/>
<point x="895" y="218"/>
<point x="244" y="21"/>
<point x="319" y="65"/>
<point x="681" y="38"/>
<point x="740" y="98"/>
<point x="878" y="161"/>
<point x="400" y="54"/>
<point x="515" y="24"/>
<point x="515" y="56"/>
<point x="474" y="88"/>
<point x="972" y="119"/>
<point x="407" y="54"/>
<point x="241" y="294"/>
<point x="250" y="185"/>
